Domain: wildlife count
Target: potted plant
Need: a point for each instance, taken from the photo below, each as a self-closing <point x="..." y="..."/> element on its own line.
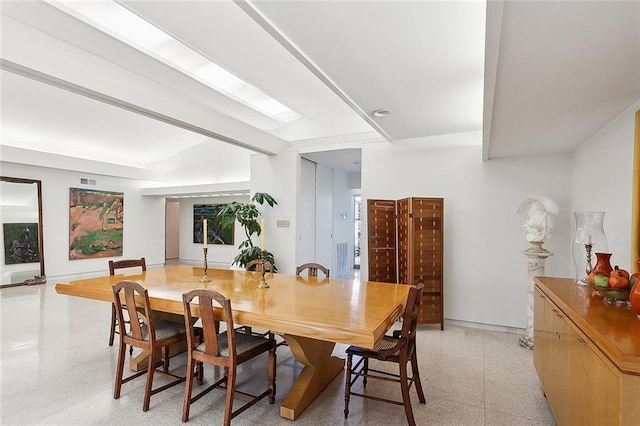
<point x="247" y="215"/>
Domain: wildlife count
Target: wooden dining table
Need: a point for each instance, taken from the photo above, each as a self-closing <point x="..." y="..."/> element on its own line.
<point x="311" y="314"/>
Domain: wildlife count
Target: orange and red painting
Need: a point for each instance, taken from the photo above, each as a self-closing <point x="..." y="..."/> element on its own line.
<point x="95" y="223"/>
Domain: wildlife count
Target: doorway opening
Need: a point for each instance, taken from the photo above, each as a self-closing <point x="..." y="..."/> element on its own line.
<point x="357" y="202"/>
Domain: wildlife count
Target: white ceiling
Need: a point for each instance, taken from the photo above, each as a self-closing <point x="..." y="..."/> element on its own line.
<point x="544" y="77"/>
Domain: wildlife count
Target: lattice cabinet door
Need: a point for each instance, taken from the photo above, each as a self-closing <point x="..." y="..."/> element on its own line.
<point x="404" y="241"/>
<point x="381" y="238"/>
<point x="426" y="257"/>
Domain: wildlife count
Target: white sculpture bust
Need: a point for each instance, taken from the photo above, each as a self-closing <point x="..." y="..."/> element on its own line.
<point x="539" y="213"/>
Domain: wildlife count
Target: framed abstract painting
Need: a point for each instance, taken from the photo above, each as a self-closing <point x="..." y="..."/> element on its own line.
<point x="96" y="221"/>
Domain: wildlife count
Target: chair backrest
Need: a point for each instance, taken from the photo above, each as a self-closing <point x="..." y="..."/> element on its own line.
<point x="136" y="303"/>
<point x="213" y="347"/>
<point x="256" y="264"/>
<point x="410" y="316"/>
<point x="312" y="269"/>
<point x="127" y="263"/>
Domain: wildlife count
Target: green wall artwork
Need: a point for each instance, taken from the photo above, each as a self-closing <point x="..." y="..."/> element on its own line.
<point x="215" y="232"/>
<point x="20" y="243"/>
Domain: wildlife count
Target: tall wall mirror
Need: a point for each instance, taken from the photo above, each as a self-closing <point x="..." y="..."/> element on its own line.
<point x="22" y="257"/>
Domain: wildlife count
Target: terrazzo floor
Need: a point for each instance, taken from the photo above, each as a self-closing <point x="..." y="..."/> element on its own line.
<point x="57" y="369"/>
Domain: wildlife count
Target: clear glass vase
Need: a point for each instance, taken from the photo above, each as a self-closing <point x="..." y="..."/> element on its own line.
<point x="588" y="239"/>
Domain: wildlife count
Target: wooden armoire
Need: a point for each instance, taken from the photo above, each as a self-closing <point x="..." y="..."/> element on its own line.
<point x="406" y="242"/>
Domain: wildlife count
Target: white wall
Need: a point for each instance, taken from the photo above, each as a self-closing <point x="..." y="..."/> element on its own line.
<point x="210" y="162"/>
<point x="602" y="180"/>
<point x="279" y="176"/>
<point x="485" y="270"/>
<point x="143" y="219"/>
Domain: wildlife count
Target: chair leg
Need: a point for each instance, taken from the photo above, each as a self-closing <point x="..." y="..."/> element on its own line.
<point x="347" y="385"/>
<point x="231" y="386"/>
<point x="165" y="359"/>
<point x="119" y="371"/>
<point x="112" y="332"/>
<point x="186" y="403"/>
<point x="150" y="370"/>
<point x="404" y="385"/>
<point x="271" y="374"/>
<point x="416" y="377"/>
<point x="365" y="370"/>
<point x="199" y="372"/>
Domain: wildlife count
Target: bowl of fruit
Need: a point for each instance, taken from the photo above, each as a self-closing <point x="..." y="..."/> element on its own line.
<point x="614" y="287"/>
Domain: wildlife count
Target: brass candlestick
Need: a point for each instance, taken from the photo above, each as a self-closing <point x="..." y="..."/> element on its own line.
<point x="205" y="278"/>
<point x="263" y="283"/>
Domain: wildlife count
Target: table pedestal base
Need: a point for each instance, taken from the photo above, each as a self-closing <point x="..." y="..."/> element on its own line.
<point x="320" y="369"/>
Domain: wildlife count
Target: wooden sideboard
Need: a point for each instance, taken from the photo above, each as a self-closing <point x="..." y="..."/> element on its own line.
<point x="587" y="355"/>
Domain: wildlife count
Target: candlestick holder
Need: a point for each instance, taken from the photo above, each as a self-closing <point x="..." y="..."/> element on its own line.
<point x="263" y="283"/>
<point x="589" y="268"/>
<point x="205" y="278"/>
<point x="588" y="238"/>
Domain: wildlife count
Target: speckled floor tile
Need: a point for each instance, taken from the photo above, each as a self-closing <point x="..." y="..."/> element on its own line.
<point x="57" y="369"/>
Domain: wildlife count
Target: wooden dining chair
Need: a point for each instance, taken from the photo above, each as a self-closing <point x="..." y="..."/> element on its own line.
<point x="399" y="348"/>
<point x="146" y="334"/>
<point x="227" y="350"/>
<point x="256" y="265"/>
<point x="113" y="266"/>
<point x="312" y="269"/>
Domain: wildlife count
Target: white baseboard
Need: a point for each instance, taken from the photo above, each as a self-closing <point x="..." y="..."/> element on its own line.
<point x="490" y="327"/>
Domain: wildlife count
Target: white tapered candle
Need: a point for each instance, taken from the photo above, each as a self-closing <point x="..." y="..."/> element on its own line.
<point x="204" y="233"/>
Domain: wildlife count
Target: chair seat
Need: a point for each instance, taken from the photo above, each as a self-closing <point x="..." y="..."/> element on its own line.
<point x="386" y="343"/>
<point x="244" y="343"/>
<point x="164" y="330"/>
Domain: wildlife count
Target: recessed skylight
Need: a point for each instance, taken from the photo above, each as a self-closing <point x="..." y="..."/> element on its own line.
<point x="130" y="28"/>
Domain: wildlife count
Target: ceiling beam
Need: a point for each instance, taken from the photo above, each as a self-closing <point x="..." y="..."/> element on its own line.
<point x="493" y="34"/>
<point x="110" y="100"/>
<point x="274" y="32"/>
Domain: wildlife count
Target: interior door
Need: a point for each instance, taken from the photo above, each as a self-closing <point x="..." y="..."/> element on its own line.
<point x="306" y="215"/>
<point x="381" y="237"/>
<point x="324" y="217"/>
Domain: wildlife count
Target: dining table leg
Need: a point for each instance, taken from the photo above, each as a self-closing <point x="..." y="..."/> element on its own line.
<point x="320" y="369"/>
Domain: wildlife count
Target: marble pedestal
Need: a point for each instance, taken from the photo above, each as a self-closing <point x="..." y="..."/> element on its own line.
<point x="536" y="258"/>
